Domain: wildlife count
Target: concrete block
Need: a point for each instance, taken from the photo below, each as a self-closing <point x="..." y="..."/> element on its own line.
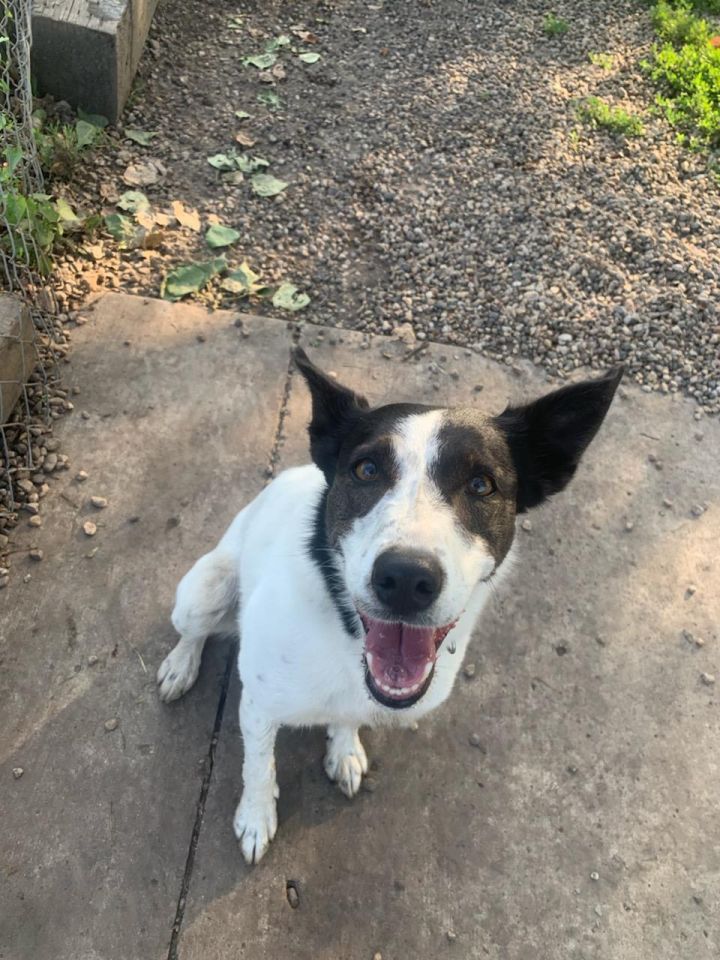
<point x="87" y="51"/>
<point x="17" y="351"/>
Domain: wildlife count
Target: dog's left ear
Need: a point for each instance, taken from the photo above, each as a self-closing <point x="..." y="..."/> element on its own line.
<point x="547" y="438"/>
<point x="335" y="410"/>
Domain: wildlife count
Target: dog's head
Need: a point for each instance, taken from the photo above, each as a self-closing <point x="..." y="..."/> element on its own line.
<point x="421" y="504"/>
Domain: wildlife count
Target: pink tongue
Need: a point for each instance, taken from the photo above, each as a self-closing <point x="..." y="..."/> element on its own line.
<point x="399" y="653"/>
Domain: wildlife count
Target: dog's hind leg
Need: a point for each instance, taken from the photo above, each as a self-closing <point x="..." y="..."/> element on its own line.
<point x="345" y="759"/>
<point x="205" y="600"/>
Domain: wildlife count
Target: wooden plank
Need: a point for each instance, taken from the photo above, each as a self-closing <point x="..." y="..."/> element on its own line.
<point x="87" y="51"/>
<point x="17" y="352"/>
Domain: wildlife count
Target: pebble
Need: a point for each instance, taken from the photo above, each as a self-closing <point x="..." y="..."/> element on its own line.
<point x="452" y="936"/>
<point x="293" y="897"/>
<point x="667" y="502"/>
<point x="629" y="525"/>
<point x="475" y="740"/>
<point x="414" y="726"/>
<point x="17" y="772"/>
<point x="708" y="679"/>
<point x="112" y="724"/>
<point x="99" y="502"/>
<point x="4" y="581"/>
<point x="469" y="670"/>
<point x="377" y="956"/>
<point x="89" y="528"/>
<point x="698" y="510"/>
<point x="92" y="660"/>
<point x="81" y="476"/>
<point x="36" y="554"/>
<point x="594" y="875"/>
<point x="690" y="590"/>
<point x="526" y="525"/>
<point x="35" y="521"/>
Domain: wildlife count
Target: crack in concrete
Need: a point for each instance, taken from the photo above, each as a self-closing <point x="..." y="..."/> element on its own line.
<point x="200" y="809"/>
<point x="273" y="458"/>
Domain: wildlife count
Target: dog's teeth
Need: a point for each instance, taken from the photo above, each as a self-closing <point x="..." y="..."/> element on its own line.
<point x="369" y="661"/>
<point x="426" y="672"/>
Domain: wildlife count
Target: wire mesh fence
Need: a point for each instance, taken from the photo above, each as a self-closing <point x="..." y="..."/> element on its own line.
<point x="31" y="336"/>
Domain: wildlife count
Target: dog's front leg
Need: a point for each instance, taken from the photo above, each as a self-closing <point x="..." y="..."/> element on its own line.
<point x="255" y="820"/>
<point x="345" y="759"/>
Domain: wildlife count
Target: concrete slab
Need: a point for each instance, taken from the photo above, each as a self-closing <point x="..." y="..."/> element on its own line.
<point x="87" y="51"/>
<point x="174" y="424"/>
<point x="582" y="828"/>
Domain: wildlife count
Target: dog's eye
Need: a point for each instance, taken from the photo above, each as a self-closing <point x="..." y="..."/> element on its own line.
<point x="481" y="486"/>
<point x="365" y="470"/>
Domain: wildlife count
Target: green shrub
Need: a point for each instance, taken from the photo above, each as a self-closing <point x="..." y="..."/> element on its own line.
<point x="686" y="69"/>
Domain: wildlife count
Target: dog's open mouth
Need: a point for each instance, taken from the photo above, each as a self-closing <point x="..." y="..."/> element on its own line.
<point x="400" y="659"/>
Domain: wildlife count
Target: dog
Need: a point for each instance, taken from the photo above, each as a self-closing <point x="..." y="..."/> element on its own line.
<point x="355" y="582"/>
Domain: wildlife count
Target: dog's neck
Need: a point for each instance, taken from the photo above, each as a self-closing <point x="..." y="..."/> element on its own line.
<point x="329" y="563"/>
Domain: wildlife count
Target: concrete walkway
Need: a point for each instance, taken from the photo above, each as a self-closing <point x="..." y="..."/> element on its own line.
<point x="583" y="828"/>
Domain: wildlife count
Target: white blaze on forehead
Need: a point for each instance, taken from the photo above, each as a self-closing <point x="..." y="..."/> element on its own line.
<point x="413" y="513"/>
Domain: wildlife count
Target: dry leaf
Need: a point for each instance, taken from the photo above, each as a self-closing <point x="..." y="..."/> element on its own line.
<point x="145" y="218"/>
<point x="279" y="72"/>
<point x="143" y="174"/>
<point x="244" y="139"/>
<point x="186" y="216"/>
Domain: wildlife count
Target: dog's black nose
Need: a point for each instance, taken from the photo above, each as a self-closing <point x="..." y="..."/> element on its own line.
<point x="407" y="581"/>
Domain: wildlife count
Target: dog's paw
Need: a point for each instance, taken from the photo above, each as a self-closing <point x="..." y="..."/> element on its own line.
<point x="255" y="825"/>
<point x="177" y="673"/>
<point x="345" y="760"/>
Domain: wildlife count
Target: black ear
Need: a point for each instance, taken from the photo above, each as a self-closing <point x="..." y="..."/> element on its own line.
<point x="547" y="438"/>
<point x="335" y="411"/>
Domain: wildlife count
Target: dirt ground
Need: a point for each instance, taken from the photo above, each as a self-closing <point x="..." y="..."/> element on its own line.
<point x="437" y="174"/>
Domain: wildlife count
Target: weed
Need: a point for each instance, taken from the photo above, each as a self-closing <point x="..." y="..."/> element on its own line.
<point x="602" y="60"/>
<point x="60" y="145"/>
<point x="555" y="26"/>
<point x="598" y="113"/>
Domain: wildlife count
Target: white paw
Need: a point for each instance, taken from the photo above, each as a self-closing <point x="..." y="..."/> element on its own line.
<point x="255" y="825"/>
<point x="178" y="672"/>
<point x="346" y="762"/>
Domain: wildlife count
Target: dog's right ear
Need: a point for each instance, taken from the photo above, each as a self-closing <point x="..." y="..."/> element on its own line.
<point x="335" y="411"/>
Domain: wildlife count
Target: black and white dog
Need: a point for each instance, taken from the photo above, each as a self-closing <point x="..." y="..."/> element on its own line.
<point x="355" y="583"/>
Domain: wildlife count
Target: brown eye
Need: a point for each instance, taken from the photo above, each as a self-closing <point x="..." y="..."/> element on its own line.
<point x="365" y="470"/>
<point x="481" y="486"/>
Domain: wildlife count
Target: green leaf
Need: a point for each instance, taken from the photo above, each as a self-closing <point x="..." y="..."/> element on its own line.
<point x="87" y="133"/>
<point x="272" y="45"/>
<point x="243" y="115"/>
<point x="219" y="236"/>
<point x="66" y="213"/>
<point x="121" y="229"/>
<point x="271" y="100"/>
<point x="243" y="281"/>
<point x="133" y="201"/>
<point x="222" y="161"/>
<point x="96" y="119"/>
<point x="288" y="297"/>
<point x="15" y="208"/>
<point x="250" y="164"/>
<point x="263" y="61"/>
<point x="190" y="278"/>
<point x="266" y="185"/>
<point x="13" y="156"/>
<point x="143" y="137"/>
<point x="309" y="57"/>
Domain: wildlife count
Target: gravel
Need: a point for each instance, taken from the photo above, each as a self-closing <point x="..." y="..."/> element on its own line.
<point x="439" y="177"/>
